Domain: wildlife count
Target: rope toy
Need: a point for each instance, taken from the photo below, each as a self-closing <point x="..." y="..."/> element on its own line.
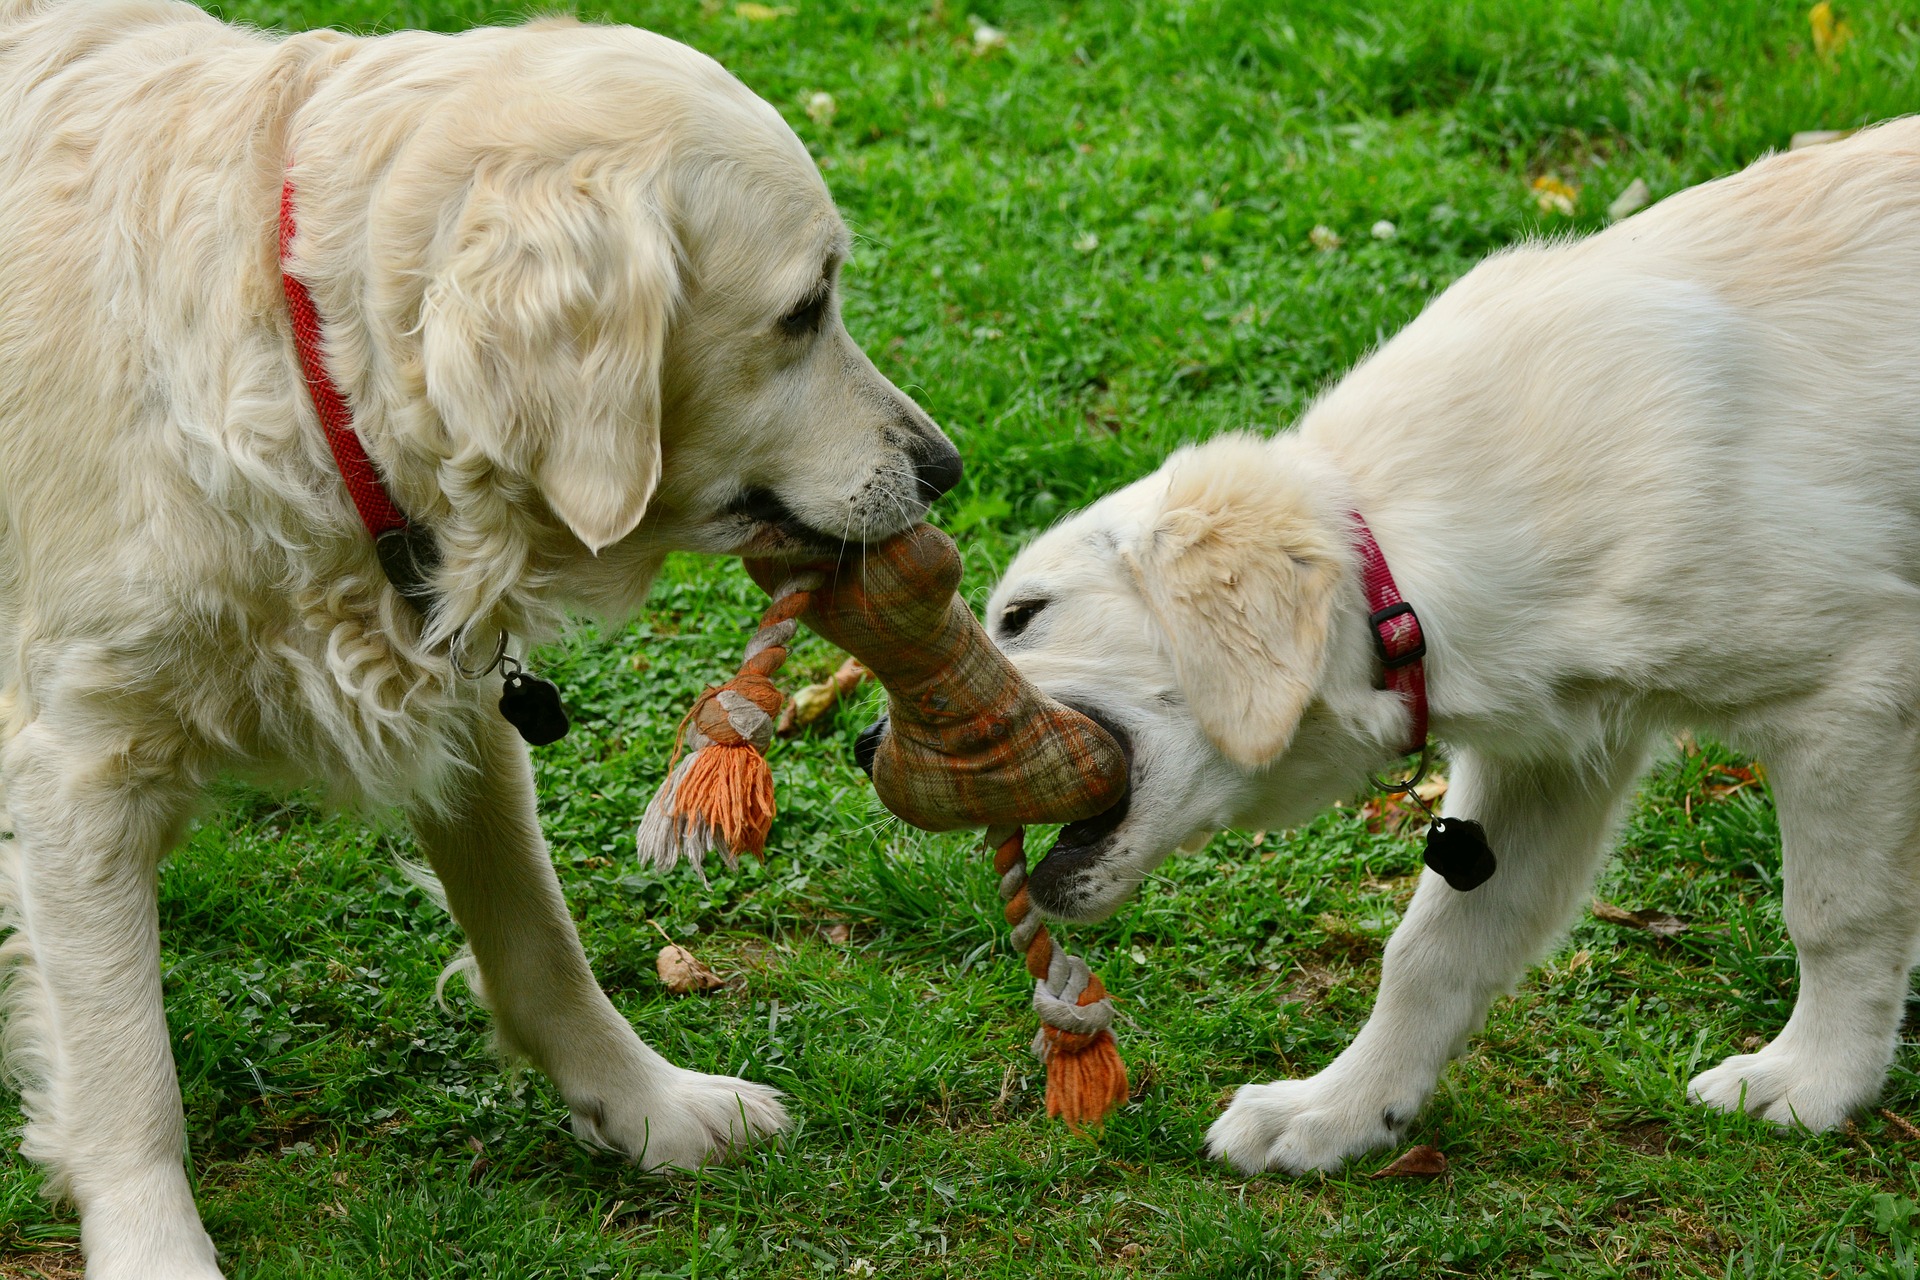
<point x="1085" y="1077"/>
<point x="718" y="796"/>
<point x="967" y="742"/>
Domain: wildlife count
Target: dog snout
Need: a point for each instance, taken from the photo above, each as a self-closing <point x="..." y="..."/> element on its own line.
<point x="936" y="466"/>
<point x="867" y="745"/>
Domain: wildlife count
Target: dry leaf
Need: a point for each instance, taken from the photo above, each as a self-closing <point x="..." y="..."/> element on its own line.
<point x="1816" y="137"/>
<point x="839" y="932"/>
<point x="1418" y="1162"/>
<point x="1658" y="923"/>
<point x="762" y="12"/>
<point x="1630" y="201"/>
<point x="683" y="972"/>
<point x="809" y="704"/>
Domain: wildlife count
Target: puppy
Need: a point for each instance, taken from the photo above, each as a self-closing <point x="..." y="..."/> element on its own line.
<point x="578" y="289"/>
<point x="1665" y="477"/>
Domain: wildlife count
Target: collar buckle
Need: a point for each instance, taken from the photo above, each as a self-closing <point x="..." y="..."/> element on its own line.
<point x="1397" y="646"/>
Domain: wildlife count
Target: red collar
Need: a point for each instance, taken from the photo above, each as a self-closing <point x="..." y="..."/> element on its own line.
<point x="1397" y="637"/>
<point x="407" y="552"/>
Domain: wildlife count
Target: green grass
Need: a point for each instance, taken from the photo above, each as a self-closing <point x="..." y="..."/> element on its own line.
<point x="1078" y="252"/>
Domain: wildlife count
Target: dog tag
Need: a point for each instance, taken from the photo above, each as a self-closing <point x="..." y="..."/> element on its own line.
<point x="1457" y="849"/>
<point x="532" y="706"/>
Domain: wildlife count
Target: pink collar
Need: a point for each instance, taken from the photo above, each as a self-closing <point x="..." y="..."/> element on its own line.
<point x="1397" y="637"/>
<point x="407" y="552"/>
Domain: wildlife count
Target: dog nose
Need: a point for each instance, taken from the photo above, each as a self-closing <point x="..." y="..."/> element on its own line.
<point x="867" y="745"/>
<point x="938" y="469"/>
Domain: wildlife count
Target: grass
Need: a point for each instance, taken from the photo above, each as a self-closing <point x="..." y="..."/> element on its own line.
<point x="1078" y="251"/>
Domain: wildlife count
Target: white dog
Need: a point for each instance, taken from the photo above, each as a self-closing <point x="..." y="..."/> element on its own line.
<point x="577" y="286"/>
<point x="1668" y="476"/>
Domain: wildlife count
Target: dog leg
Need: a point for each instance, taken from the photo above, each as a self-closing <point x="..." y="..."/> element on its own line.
<point x="500" y="884"/>
<point x="1446" y="963"/>
<point x="1852" y="859"/>
<point x="88" y="1035"/>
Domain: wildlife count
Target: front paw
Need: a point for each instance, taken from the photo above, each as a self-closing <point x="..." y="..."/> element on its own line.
<point x="1304" y="1125"/>
<point x="1778" y="1086"/>
<point x="684" y="1121"/>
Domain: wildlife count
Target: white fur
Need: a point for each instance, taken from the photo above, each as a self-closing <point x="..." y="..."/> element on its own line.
<point x="552" y="264"/>
<point x="1665" y="477"/>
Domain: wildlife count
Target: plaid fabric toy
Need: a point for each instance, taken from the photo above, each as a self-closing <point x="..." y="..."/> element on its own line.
<point x="969" y="742"/>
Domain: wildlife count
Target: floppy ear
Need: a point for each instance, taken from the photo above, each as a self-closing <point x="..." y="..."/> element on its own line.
<point x="543" y="338"/>
<point x="1241" y="578"/>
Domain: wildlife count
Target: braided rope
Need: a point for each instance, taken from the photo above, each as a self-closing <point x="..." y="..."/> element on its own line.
<point x="1085" y="1076"/>
<point x="718" y="796"/>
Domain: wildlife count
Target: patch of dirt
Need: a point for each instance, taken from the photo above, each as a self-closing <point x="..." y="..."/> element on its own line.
<point x="1648" y="1137"/>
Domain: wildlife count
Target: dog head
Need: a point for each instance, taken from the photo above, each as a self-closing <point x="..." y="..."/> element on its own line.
<point x="1210" y="613"/>
<point x="600" y="281"/>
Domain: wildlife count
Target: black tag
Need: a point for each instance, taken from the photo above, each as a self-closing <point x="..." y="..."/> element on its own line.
<point x="532" y="706"/>
<point x="1457" y="849"/>
<point x="408" y="556"/>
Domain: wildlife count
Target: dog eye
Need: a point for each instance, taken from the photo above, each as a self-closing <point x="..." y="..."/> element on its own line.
<point x="805" y="318"/>
<point x="1015" y="617"/>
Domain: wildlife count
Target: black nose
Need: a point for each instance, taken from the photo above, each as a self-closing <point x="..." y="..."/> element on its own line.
<point x="937" y="467"/>
<point x="867" y="745"/>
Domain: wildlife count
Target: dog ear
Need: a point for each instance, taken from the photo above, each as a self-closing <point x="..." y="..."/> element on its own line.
<point x="543" y="338"/>
<point x="1241" y="578"/>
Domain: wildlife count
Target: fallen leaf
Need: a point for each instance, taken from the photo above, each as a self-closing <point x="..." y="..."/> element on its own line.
<point x="1816" y="137"/>
<point x="1630" y="201"/>
<point x="1418" y="1162"/>
<point x="1553" y="195"/>
<point x="1830" y="33"/>
<point x="839" y="932"/>
<point x="1658" y="923"/>
<point x="762" y="12"/>
<point x="811" y="703"/>
<point x="682" y="971"/>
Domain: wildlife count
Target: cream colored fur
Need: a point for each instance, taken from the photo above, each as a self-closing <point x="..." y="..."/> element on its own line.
<point x="566" y="275"/>
<point x="1667" y="477"/>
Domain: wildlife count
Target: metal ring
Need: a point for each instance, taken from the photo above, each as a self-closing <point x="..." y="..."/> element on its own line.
<point x="1419" y="775"/>
<point x="499" y="652"/>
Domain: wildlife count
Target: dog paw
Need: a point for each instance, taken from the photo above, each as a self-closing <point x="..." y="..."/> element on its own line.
<point x="684" y="1122"/>
<point x="1303" y="1125"/>
<point x="1778" y="1086"/>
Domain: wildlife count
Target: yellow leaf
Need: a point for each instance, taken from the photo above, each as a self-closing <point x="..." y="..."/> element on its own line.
<point x="1553" y="195"/>
<point x="763" y="12"/>
<point x="1830" y="33"/>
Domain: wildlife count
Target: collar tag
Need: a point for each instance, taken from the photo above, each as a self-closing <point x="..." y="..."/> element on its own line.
<point x="408" y="556"/>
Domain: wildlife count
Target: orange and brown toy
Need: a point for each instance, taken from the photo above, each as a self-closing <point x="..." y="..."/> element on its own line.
<point x="967" y="742"/>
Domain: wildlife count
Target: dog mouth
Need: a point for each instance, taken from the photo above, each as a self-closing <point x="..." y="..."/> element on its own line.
<point x="1060" y="883"/>
<point x="776" y="531"/>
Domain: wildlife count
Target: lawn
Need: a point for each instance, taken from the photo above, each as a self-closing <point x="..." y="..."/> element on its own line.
<point x="1127" y="226"/>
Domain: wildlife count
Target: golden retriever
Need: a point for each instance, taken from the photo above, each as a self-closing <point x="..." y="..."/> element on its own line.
<point x="578" y="286"/>
<point x="1666" y="477"/>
